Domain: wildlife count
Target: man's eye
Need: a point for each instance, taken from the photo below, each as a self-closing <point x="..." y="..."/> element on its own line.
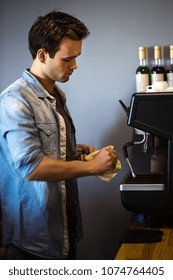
<point x="66" y="59"/>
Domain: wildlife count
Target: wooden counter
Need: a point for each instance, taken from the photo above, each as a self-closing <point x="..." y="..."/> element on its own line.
<point x="162" y="250"/>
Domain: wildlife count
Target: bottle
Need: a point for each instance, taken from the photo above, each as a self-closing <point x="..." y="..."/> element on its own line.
<point x="169" y="71"/>
<point x="158" y="72"/>
<point x="142" y="72"/>
<point x="158" y="158"/>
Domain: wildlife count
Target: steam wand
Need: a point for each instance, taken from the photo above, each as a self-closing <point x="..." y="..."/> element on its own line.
<point x="125" y="152"/>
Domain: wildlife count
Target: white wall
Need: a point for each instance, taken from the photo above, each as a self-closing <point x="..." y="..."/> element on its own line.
<point x="106" y="73"/>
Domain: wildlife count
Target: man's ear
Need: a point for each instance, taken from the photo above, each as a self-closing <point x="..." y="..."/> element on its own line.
<point x="42" y="54"/>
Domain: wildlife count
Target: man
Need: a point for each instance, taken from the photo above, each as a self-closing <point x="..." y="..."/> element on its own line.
<point x="39" y="158"/>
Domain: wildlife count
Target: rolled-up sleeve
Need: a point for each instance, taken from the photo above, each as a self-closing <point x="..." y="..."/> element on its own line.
<point x="20" y="134"/>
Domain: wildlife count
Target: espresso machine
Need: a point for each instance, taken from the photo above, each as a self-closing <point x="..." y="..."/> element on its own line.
<point x="150" y="193"/>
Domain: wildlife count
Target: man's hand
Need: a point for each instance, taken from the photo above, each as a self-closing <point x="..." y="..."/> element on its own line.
<point x="83" y="150"/>
<point x="103" y="160"/>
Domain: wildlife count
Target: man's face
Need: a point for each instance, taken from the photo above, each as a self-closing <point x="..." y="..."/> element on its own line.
<point x="61" y="66"/>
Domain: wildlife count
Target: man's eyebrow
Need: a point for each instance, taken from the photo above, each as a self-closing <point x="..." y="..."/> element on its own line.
<point x="73" y="56"/>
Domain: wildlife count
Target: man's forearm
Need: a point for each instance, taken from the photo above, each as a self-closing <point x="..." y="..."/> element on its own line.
<point x="50" y="169"/>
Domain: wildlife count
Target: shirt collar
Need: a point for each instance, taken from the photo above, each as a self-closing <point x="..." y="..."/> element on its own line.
<point x="39" y="89"/>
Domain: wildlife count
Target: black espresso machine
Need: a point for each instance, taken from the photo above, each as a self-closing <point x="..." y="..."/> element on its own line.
<point x="150" y="193"/>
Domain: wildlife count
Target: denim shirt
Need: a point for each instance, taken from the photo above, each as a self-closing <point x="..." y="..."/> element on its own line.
<point x="33" y="212"/>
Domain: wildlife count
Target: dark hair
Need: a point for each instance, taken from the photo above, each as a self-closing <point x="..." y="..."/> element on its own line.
<point x="48" y="30"/>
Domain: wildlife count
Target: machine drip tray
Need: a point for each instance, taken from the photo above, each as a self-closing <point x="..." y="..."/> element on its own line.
<point x="144" y="182"/>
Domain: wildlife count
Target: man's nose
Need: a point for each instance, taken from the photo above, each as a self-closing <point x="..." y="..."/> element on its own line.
<point x="73" y="65"/>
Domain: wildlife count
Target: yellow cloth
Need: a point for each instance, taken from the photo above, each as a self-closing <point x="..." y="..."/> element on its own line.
<point x="108" y="175"/>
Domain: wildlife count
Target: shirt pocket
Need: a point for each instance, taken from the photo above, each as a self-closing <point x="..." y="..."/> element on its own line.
<point x="48" y="137"/>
